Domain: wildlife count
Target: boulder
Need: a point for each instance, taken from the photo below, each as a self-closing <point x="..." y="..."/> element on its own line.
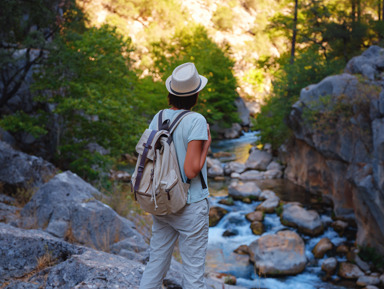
<point x="273" y="174"/>
<point x="233" y="132"/>
<point x="252" y="175"/>
<point x="341" y="155"/>
<point x="242" y="250"/>
<point x="282" y="253"/>
<point x="132" y="250"/>
<point x="67" y="207"/>
<point x="215" y="215"/>
<point x="257" y="228"/>
<point x="307" y="221"/>
<point x="267" y="194"/>
<point x="369" y="64"/>
<point x="227" y="201"/>
<point x="255" y="216"/>
<point x="322" y="247"/>
<point x="349" y="271"/>
<point x="242" y="190"/>
<point x="274" y="166"/>
<point x="269" y="205"/>
<point x="329" y="266"/>
<point x="258" y="160"/>
<point x="243" y="111"/>
<point x="22" y="172"/>
<point x="234" y="167"/>
<point x="339" y="226"/>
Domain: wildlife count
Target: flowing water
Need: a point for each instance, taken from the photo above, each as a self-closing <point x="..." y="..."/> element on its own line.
<point x="220" y="256"/>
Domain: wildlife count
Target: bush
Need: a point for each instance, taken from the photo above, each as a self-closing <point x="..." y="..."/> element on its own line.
<point x="223" y="18"/>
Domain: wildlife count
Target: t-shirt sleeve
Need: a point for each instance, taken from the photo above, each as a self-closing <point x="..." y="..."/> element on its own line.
<point x="198" y="129"/>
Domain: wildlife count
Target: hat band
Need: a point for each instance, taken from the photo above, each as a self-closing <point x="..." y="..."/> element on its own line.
<point x="184" y="93"/>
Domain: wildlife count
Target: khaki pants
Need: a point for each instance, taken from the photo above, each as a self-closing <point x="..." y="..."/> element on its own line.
<point x="190" y="225"/>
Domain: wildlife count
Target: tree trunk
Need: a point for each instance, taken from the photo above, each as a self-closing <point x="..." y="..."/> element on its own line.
<point x="358" y="3"/>
<point x="382" y="15"/>
<point x="353" y="14"/>
<point x="294" y="33"/>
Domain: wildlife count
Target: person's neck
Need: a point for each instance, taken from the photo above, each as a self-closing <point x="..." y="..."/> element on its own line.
<point x="175" y="108"/>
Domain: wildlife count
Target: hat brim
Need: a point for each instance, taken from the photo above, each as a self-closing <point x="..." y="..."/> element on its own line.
<point x="203" y="83"/>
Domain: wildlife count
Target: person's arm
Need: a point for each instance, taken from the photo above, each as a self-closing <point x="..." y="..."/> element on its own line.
<point x="197" y="151"/>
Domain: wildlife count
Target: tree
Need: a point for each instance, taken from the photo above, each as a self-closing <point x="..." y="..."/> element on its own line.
<point x="192" y="44"/>
<point x="26" y="28"/>
<point x="92" y="88"/>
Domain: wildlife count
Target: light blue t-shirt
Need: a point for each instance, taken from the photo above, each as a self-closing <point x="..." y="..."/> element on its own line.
<point x="192" y="127"/>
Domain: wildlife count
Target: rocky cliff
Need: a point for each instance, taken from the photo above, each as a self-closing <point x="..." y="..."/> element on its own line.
<point x="338" y="144"/>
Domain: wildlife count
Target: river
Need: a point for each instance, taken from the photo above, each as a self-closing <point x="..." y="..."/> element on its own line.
<point x="220" y="256"/>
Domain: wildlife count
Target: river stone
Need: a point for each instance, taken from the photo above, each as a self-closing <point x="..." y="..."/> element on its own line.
<point x="258" y="160"/>
<point x="234" y="167"/>
<point x="212" y="162"/>
<point x="371" y="287"/>
<point x="242" y="190"/>
<point x="215" y="215"/>
<point x="329" y="266"/>
<point x="67" y="208"/>
<point x="367" y="280"/>
<point x="273" y="174"/>
<point x="215" y="171"/>
<point x="282" y="253"/>
<point x="242" y="250"/>
<point x="339" y="226"/>
<point x="257" y="228"/>
<point x="267" y="194"/>
<point x="274" y="166"/>
<point x="322" y="247"/>
<point x="349" y="271"/>
<point x="255" y="216"/>
<point x="269" y="205"/>
<point x="342" y="249"/>
<point x="252" y="175"/>
<point x="307" y="221"/>
<point x="22" y="171"/>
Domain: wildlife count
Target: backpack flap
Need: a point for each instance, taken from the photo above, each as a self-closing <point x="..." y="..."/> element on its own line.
<point x="148" y="138"/>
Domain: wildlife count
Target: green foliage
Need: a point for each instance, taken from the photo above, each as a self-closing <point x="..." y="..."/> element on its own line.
<point x="223" y="18"/>
<point x="369" y="254"/>
<point x="89" y="81"/>
<point x="192" y="44"/>
<point x="309" y="67"/>
<point x="22" y="122"/>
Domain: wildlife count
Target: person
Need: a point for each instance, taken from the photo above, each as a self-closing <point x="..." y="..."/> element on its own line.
<point x="190" y="225"/>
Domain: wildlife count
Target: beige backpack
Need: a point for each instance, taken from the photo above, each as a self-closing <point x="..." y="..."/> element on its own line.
<point x="157" y="182"/>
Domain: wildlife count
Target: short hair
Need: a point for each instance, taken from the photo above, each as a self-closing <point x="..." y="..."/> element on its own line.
<point x="185" y="102"/>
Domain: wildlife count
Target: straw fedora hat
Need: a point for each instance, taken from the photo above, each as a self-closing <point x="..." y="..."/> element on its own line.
<point x="185" y="80"/>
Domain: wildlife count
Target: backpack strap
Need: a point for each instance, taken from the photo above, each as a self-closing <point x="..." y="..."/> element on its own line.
<point x="171" y="128"/>
<point x="178" y="119"/>
<point x="140" y="169"/>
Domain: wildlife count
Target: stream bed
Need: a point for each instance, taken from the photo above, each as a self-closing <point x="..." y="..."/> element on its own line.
<point x="220" y="256"/>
